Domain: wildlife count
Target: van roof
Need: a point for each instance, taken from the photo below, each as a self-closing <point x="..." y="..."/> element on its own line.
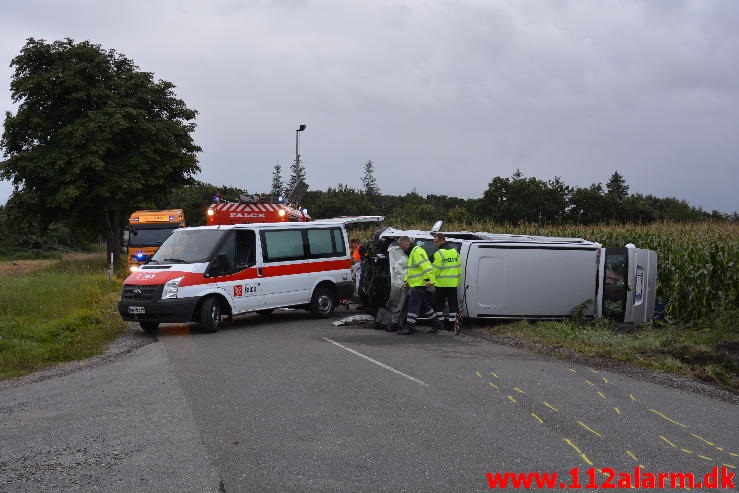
<point x="484" y="237"/>
<point x="336" y="221"/>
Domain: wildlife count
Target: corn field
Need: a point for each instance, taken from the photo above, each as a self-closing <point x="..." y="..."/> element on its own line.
<point x="697" y="263"/>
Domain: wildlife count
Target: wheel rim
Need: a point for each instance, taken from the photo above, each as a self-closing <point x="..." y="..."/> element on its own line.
<point x="324" y="303"/>
<point x="215" y="316"/>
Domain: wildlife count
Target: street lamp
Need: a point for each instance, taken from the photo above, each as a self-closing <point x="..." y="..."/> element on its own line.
<point x="297" y="155"/>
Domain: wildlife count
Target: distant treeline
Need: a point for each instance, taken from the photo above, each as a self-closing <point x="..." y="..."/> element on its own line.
<point x="513" y="201"/>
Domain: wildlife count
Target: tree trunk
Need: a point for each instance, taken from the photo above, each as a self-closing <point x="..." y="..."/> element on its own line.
<point x="113" y="234"/>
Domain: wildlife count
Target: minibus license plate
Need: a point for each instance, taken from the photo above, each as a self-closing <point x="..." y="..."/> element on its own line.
<point x="136" y="310"/>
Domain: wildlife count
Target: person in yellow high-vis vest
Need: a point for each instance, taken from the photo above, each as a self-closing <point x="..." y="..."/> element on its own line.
<point x="418" y="278"/>
<point x="447" y="271"/>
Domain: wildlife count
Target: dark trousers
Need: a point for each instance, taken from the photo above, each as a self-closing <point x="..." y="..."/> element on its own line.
<point x="419" y="303"/>
<point x="450" y="296"/>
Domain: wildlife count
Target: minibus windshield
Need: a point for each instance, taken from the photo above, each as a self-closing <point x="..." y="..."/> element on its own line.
<point x="189" y="246"/>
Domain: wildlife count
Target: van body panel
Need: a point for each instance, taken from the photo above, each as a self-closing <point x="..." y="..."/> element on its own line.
<point x="642" y="282"/>
<point x="506" y="280"/>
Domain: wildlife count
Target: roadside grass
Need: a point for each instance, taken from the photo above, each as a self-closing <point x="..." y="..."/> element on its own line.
<point x="708" y="351"/>
<point x="61" y="312"/>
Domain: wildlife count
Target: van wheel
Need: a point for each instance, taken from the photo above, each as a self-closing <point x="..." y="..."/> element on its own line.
<point x="210" y="315"/>
<point x="149" y="327"/>
<point x="268" y="311"/>
<point x="323" y="303"/>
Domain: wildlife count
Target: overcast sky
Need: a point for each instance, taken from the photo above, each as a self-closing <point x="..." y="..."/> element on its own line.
<point x="442" y="96"/>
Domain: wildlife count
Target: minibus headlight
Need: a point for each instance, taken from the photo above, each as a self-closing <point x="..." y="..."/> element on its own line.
<point x="171" y="287"/>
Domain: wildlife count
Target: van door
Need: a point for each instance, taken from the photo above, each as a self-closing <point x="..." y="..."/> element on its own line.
<point x="629" y="284"/>
<point x="642" y="285"/>
<point x="235" y="271"/>
<point x="614" y="283"/>
<point x="286" y="276"/>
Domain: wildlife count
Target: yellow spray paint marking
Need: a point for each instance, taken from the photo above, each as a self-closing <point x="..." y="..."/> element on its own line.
<point x="589" y="429"/>
<point x="478" y="374"/>
<point x="510" y="398"/>
<point x="686" y="451"/>
<point x="594" y="371"/>
<point x="492" y="385"/>
<point x="701" y="439"/>
<point x="631" y="454"/>
<point x="668" y="442"/>
<point x="550" y="406"/>
<point x="493" y="374"/>
<point x="537" y="418"/>
<point x="518" y="390"/>
<point x="617" y="410"/>
<point x="733" y="454"/>
<point x="602" y="395"/>
<point x="572" y="370"/>
<point x="730" y="466"/>
<point x="719" y="448"/>
<point x="589" y="383"/>
<point x="584" y="457"/>
<point x="665" y="417"/>
<point x="569" y="442"/>
<point x="631" y="396"/>
<point x="704" y="457"/>
<point x="605" y="380"/>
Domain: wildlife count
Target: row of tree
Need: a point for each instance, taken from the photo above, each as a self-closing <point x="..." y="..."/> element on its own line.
<point x="512" y="200"/>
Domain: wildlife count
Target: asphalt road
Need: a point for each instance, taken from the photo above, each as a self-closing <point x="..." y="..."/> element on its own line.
<point x="289" y="403"/>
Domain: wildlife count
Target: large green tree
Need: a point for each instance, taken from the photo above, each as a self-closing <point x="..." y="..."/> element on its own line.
<point x="93" y="136"/>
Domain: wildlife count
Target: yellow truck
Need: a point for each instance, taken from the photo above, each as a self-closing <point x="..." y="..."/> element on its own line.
<point x="147" y="230"/>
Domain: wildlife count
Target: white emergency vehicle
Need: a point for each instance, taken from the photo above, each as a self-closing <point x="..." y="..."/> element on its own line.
<point x="208" y="273"/>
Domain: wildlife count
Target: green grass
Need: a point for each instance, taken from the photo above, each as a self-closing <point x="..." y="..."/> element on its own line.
<point x="62" y="313"/>
<point x="708" y="351"/>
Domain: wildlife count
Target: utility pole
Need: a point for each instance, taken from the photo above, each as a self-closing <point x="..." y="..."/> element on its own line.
<point x="297" y="151"/>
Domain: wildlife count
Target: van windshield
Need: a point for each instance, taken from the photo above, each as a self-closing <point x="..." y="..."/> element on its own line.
<point x="189" y="246"/>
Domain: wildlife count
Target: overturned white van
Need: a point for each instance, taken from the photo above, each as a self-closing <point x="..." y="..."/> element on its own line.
<point x="531" y="277"/>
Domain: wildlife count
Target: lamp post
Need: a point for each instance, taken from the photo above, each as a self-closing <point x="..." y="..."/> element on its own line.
<point x="297" y="154"/>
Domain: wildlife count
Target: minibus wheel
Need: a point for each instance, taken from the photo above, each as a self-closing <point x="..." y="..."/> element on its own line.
<point x="323" y="302"/>
<point x="210" y="315"/>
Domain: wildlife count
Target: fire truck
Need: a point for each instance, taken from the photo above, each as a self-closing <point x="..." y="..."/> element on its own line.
<point x="147" y="230"/>
<point x="253" y="210"/>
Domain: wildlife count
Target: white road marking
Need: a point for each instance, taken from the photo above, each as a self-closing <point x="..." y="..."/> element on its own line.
<point x="383" y="365"/>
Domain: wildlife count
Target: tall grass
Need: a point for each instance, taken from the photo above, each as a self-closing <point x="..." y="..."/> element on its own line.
<point x="697" y="264"/>
<point x="62" y="313"/>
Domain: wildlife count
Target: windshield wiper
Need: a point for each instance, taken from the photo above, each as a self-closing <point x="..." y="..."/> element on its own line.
<point x="174" y="260"/>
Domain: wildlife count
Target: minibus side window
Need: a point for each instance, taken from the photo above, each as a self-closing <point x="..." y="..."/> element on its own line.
<point x="320" y="242"/>
<point x="326" y="243"/>
<point x="283" y="245"/>
<point x="224" y="261"/>
<point x="340" y="247"/>
<point x="245" y="249"/>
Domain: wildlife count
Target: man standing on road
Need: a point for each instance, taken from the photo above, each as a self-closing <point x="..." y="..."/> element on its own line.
<point x="419" y="278"/>
<point x="447" y="272"/>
